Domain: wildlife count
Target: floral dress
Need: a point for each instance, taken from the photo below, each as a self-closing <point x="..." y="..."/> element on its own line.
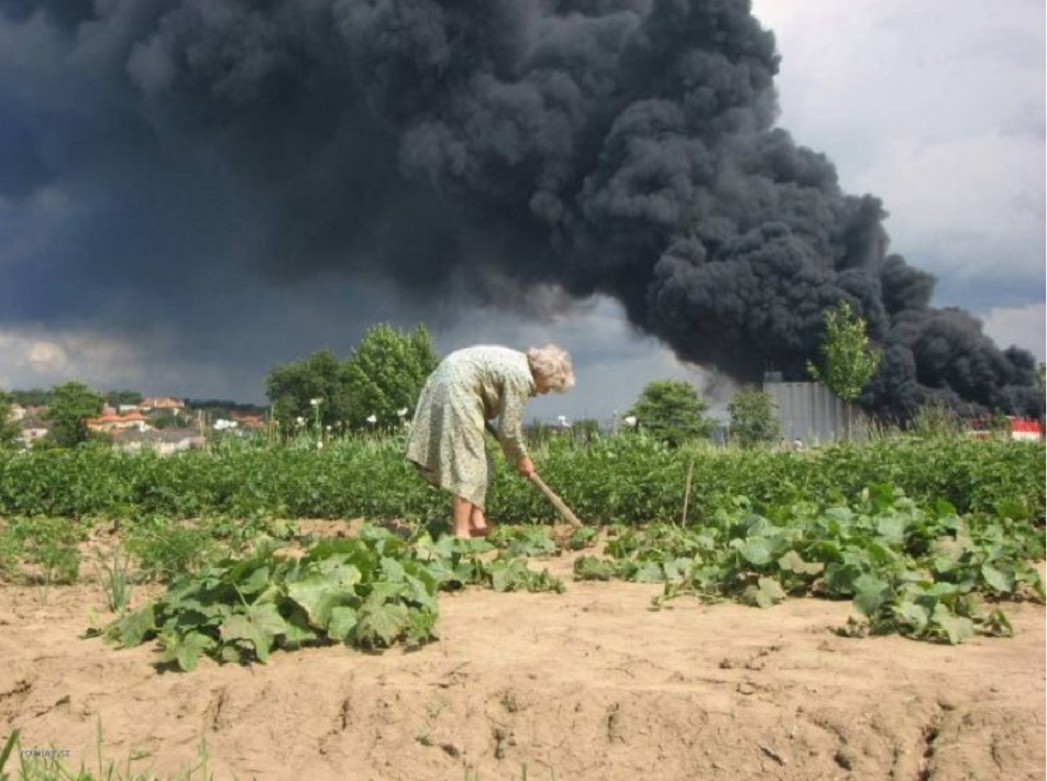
<point x="468" y="388"/>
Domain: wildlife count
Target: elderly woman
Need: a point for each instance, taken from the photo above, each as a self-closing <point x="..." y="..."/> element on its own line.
<point x="468" y="389"/>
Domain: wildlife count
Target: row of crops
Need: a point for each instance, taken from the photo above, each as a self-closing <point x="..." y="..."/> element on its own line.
<point x="626" y="479"/>
<point x="926" y="538"/>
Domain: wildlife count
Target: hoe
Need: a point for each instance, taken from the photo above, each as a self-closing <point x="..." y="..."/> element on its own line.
<point x="555" y="500"/>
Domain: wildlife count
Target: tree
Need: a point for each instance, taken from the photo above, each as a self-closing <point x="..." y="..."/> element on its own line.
<point x="10" y="430"/>
<point x="294" y="387"/>
<point x="71" y="405"/>
<point x="31" y="398"/>
<point x="672" y="411"/>
<point x="116" y="398"/>
<point x="849" y="362"/>
<point x="753" y="418"/>
<point x="385" y="374"/>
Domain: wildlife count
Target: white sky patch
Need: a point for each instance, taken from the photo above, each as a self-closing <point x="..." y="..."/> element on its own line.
<point x="936" y="107"/>
<point x="1025" y="326"/>
<point x="977" y="201"/>
<point x="43" y="358"/>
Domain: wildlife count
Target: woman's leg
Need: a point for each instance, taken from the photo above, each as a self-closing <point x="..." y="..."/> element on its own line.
<point x="461" y="514"/>
<point x="478" y="522"/>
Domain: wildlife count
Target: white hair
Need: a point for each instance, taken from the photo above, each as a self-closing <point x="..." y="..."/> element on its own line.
<point x="552" y="364"/>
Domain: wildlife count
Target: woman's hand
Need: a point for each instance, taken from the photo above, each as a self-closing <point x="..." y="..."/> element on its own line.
<point x="526" y="467"/>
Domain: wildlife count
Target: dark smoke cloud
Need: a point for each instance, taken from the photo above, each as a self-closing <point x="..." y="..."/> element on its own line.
<point x="484" y="146"/>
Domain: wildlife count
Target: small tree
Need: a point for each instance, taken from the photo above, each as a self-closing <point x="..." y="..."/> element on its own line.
<point x="672" y="411"/>
<point x="292" y="387"/>
<point x="10" y="430"/>
<point x="849" y="362"/>
<point x="386" y="372"/>
<point x="753" y="418"/>
<point x="70" y="406"/>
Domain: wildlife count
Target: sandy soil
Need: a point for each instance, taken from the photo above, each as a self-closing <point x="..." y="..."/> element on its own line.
<point x="591" y="684"/>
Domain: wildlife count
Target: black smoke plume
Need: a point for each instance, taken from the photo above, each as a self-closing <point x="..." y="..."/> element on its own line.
<point x="622" y="147"/>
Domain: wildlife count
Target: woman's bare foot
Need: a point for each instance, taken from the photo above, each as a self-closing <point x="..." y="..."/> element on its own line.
<point x="478" y="526"/>
<point x="461" y="515"/>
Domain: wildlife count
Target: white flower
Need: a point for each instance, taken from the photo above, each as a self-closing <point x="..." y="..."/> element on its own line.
<point x="300" y="420"/>
<point x="316" y="402"/>
<point x="401" y="412"/>
<point x="319" y="444"/>
<point x="328" y="427"/>
<point x="372" y="419"/>
<point x="631" y="421"/>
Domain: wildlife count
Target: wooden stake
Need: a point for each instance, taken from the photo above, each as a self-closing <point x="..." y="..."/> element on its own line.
<point x="687" y="493"/>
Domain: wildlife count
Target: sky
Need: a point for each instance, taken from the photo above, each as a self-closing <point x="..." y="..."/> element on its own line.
<point x="937" y="108"/>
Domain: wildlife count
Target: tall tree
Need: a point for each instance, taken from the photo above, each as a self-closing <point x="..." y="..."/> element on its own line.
<point x="386" y="372"/>
<point x="10" y="430"/>
<point x="849" y="362"/>
<point x="118" y="397"/>
<point x="672" y="411"/>
<point x="310" y="391"/>
<point x="753" y="418"/>
<point x="70" y="406"/>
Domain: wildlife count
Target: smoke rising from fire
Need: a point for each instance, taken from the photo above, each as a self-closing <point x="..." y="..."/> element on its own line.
<point x="621" y="148"/>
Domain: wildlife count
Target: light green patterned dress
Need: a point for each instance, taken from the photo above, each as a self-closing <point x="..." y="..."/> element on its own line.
<point x="469" y="387"/>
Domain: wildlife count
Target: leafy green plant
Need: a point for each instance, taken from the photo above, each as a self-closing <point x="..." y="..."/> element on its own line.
<point x="47" y="546"/>
<point x="370" y="592"/>
<point x="165" y="550"/>
<point x="240" y="532"/>
<point x="923" y="572"/>
<point x="524" y="540"/>
<point x="581" y="538"/>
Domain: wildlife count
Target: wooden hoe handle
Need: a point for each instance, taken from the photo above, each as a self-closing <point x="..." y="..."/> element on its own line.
<point x="557" y="502"/>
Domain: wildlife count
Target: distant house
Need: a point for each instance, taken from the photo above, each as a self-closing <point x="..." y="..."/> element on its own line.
<point x="33" y="424"/>
<point x="16" y="413"/>
<point x="110" y="423"/>
<point x="162" y="403"/>
<point x="247" y="420"/>
<point x="123" y="409"/>
<point x="33" y="432"/>
<point x="163" y="441"/>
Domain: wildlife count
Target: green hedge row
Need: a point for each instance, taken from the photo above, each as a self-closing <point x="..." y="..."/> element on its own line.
<point x="627" y="479"/>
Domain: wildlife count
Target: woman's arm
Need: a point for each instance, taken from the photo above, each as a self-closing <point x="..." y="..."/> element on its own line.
<point x="510" y="424"/>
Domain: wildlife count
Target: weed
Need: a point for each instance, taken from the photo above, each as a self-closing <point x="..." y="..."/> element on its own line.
<point x="114" y="578"/>
<point x="166" y="549"/>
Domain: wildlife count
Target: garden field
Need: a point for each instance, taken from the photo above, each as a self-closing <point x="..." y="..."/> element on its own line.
<point x="857" y="612"/>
